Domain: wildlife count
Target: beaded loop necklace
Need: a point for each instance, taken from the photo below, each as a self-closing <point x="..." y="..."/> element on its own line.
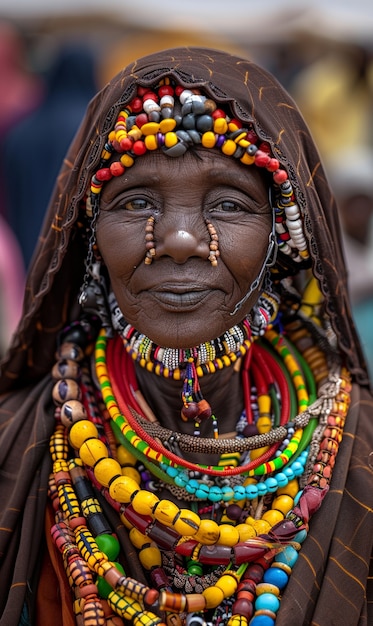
<point x="227" y="558"/>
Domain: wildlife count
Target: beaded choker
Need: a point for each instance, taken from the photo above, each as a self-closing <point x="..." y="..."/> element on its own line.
<point x="184" y="364"/>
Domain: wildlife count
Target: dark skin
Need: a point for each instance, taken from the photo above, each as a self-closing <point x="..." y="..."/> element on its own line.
<point x="181" y="300"/>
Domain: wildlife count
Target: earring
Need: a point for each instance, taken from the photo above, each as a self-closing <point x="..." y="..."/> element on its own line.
<point x="214" y="244"/>
<point x="265" y="311"/>
<point x="149" y="240"/>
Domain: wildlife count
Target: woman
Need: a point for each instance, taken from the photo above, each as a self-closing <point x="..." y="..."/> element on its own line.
<point x="188" y="351"/>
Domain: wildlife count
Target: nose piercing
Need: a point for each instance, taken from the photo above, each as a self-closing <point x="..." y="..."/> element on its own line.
<point x="149" y="240"/>
<point x="214" y="244"/>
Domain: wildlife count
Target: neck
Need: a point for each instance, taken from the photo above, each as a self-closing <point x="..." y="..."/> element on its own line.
<point x="222" y="390"/>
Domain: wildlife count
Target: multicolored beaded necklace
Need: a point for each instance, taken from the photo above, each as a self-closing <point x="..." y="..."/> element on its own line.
<point x="224" y="558"/>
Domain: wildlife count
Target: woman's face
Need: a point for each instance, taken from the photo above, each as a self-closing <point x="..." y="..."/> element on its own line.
<point x="180" y="299"/>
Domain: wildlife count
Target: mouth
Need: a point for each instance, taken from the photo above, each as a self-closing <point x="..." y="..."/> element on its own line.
<point x="177" y="297"/>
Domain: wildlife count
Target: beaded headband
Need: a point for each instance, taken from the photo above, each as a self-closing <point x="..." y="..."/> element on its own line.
<point x="172" y="118"/>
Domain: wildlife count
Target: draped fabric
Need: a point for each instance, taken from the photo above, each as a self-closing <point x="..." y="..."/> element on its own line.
<point x="328" y="582"/>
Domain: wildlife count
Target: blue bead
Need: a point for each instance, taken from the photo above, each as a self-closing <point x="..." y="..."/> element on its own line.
<point x="215" y="494"/>
<point x="172" y="471"/>
<point x="282" y="479"/>
<point x="181" y="480"/>
<point x="251" y="491"/>
<point x="297" y="468"/>
<point x="296" y="499"/>
<point x="300" y="537"/>
<point x="202" y="491"/>
<point x="192" y="486"/>
<point x="239" y="493"/>
<point x="262" y="489"/>
<point x="262" y="620"/>
<point x="227" y="493"/>
<point x="271" y="484"/>
<point x="288" y="556"/>
<point x="276" y="576"/>
<point x="289" y="473"/>
<point x="267" y="601"/>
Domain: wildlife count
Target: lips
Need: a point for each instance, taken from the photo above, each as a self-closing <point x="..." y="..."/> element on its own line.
<point x="180" y="300"/>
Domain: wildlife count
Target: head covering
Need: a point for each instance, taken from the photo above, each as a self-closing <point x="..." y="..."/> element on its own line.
<point x="56" y="276"/>
<point x="255" y="96"/>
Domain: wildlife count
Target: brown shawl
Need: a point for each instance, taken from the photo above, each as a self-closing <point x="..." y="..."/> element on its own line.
<point x="328" y="583"/>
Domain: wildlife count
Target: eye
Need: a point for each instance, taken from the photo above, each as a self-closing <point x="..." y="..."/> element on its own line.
<point x="137" y="204"/>
<point x="226" y="207"/>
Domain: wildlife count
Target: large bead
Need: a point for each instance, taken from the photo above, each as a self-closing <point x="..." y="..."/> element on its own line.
<point x="122" y="488"/>
<point x="66" y="389"/>
<point x="72" y="411"/>
<point x="93" y="451"/>
<point x="80" y="432"/>
<point x="66" y="368"/>
<point x="105" y="470"/>
<point x="144" y="501"/>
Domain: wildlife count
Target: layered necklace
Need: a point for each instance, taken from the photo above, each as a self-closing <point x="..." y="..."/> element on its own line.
<point x="220" y="549"/>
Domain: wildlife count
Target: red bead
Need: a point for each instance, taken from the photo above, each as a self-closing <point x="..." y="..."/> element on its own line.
<point x="186" y="548"/>
<point x="179" y="90"/>
<point x="262" y="159"/>
<point x="236" y="122"/>
<point x="265" y="147"/>
<point x="139" y="148"/>
<point x="165" y="90"/>
<point x="150" y="95"/>
<point x="204" y="410"/>
<point x="190" y="412"/>
<point x="136" y="105"/>
<point x="244" y="553"/>
<point x="103" y="174"/>
<point x="141" y="91"/>
<point x="117" y="168"/>
<point x="218" y="113"/>
<point x="243" y="607"/>
<point x="215" y="555"/>
<point x="255" y="572"/>
<point x="141" y="522"/>
<point x="141" y="119"/>
<point x="273" y="166"/>
<point x="252" y="136"/>
<point x="126" y="144"/>
<point x="280" y="176"/>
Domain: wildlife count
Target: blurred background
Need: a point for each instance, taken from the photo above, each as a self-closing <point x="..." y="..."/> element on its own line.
<point x="55" y="55"/>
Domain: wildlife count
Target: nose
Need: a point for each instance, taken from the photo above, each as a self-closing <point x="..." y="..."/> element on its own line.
<point x="182" y="244"/>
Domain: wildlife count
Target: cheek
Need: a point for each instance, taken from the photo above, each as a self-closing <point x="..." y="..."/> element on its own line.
<point x="121" y="246"/>
<point x="243" y="248"/>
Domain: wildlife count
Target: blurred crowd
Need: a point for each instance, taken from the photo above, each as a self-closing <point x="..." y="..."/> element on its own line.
<point x="47" y="82"/>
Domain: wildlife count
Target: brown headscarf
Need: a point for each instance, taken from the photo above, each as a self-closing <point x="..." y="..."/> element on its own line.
<point x="328" y="583"/>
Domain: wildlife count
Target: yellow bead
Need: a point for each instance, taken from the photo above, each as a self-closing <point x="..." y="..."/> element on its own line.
<point x="208" y="139"/>
<point x="135" y="133"/>
<point x="291" y="489"/>
<point x="139" y="540"/>
<point x="122" y="489"/>
<point x="105" y="470"/>
<point x="81" y="431"/>
<point x="245" y="532"/>
<point x="150" y="557"/>
<point x="92" y="451"/>
<point x="228" y="584"/>
<point x="208" y="532"/>
<point x="264" y="424"/>
<point x="267" y="588"/>
<point x="187" y="523"/>
<point x="126" y="160"/>
<point x="170" y="139"/>
<point x="229" y="147"/>
<point x="272" y="517"/>
<point x="220" y="126"/>
<point x="144" y="502"/>
<point x="283" y="503"/>
<point x="232" y="126"/>
<point x="132" y="472"/>
<point x="255" y="454"/>
<point x="229" y="535"/>
<point x="151" y="142"/>
<point x="213" y="596"/>
<point x="167" y="125"/>
<point x="165" y="512"/>
<point x="261" y="526"/>
<point x="125" y="457"/>
<point x="151" y="128"/>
